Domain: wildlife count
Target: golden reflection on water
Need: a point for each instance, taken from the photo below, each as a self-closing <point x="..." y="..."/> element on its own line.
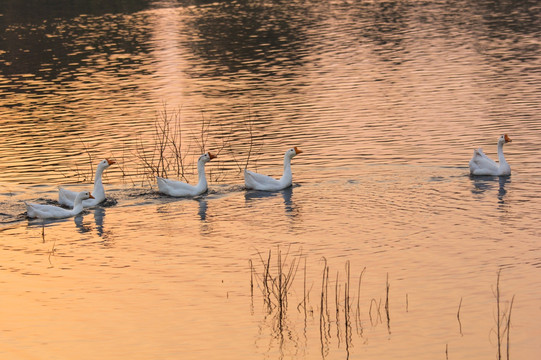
<point x="182" y="282"/>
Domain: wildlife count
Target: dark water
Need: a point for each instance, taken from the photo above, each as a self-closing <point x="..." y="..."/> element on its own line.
<point x="386" y="99"/>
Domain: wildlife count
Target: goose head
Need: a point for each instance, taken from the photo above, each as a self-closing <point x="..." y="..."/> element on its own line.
<point x="206" y="157"/>
<point x="105" y="163"/>
<point x="85" y="195"/>
<point x="291" y="153"/>
<point x="504" y="139"/>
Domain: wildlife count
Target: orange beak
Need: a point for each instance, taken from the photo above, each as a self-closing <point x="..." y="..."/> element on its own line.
<point x="110" y="162"/>
<point x="90" y="196"/>
<point x="212" y="156"/>
<point x="297" y="150"/>
<point x="507" y="139"/>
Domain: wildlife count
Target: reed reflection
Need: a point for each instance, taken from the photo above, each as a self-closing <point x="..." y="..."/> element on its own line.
<point x="275" y="282"/>
<point x="338" y="303"/>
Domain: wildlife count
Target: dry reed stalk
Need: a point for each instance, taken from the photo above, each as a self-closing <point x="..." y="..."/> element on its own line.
<point x="324" y="316"/>
<point x="387" y="286"/>
<point x="407" y="303"/>
<point x="347" y="307"/>
<point x="276" y="285"/>
<point x="166" y="152"/>
<point x="458" y="317"/>
<point x="51" y="252"/>
<point x="249" y="128"/>
<point x="509" y="324"/>
<point x="498" y="307"/>
<point x="358" y="312"/>
<point x="337" y="290"/>
<point x="251" y="279"/>
<point x="378" y="309"/>
<point x="88" y="153"/>
<point x="503" y="319"/>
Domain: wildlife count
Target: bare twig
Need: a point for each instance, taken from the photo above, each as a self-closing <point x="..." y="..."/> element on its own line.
<point x="89" y="154"/>
<point x="458" y="317"/>
<point x="509" y="324"/>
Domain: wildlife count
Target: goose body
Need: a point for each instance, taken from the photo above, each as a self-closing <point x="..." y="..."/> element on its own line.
<point x="257" y="181"/>
<point x="181" y="189"/>
<point x="67" y="197"/>
<point x="55" y="212"/>
<point x="480" y="164"/>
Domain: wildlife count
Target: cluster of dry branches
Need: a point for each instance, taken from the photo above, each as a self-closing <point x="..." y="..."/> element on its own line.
<point x="165" y="154"/>
<point x="170" y="149"/>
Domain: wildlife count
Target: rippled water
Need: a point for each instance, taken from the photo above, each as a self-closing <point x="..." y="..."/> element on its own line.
<point x="387" y="100"/>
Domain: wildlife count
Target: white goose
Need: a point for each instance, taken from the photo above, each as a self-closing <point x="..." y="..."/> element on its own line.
<point x="67" y="197"/>
<point x="257" y="181"/>
<point x="178" y="188"/>
<point x="56" y="212"/>
<point x="480" y="164"/>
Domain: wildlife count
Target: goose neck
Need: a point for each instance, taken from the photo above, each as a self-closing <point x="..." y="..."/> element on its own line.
<point x="501" y="158"/>
<point x="99" y="173"/>
<point x="77" y="205"/>
<point x="287" y="162"/>
<point x="287" y="177"/>
<point x="201" y="173"/>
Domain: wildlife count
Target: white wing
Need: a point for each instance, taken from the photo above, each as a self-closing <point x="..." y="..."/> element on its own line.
<point x="46" y="211"/>
<point x="176" y="188"/>
<point x="480" y="164"/>
<point x="257" y="181"/>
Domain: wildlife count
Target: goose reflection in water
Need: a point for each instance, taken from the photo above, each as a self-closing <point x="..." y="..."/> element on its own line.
<point x="99" y="215"/>
<point x="80" y="225"/>
<point x="483" y="183"/>
<point x="203" y="206"/>
<point x="289" y="205"/>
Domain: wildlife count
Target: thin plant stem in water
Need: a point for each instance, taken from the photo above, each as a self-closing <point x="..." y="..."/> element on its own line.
<point x="503" y="319"/>
<point x="387" y="286"/>
<point x="407" y="303"/>
<point x="498" y="314"/>
<point x="509" y="324"/>
<point x="458" y="317"/>
<point x="358" y="310"/>
<point x="89" y="154"/>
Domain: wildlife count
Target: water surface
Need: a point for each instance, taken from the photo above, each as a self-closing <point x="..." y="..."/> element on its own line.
<point x="386" y="99"/>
